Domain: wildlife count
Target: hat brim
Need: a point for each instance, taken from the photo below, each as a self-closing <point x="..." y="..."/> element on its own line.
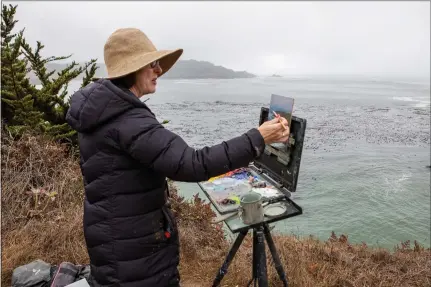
<point x="166" y="58"/>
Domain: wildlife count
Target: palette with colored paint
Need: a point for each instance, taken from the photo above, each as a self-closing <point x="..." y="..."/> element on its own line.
<point x="225" y="190"/>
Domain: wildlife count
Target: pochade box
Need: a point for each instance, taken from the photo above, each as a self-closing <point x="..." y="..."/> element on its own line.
<point x="274" y="175"/>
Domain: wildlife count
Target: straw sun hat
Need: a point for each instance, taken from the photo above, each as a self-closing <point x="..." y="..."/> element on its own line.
<point x="127" y="50"/>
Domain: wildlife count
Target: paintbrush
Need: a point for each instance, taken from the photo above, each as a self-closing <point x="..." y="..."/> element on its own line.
<point x="278" y="117"/>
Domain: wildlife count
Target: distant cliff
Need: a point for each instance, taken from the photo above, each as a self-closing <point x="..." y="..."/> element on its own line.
<point x="192" y="69"/>
<point x="185" y="69"/>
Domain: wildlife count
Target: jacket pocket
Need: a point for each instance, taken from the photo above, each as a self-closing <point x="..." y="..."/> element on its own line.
<point x="170" y="228"/>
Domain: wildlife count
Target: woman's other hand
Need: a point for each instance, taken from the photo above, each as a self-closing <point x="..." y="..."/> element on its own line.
<point x="273" y="131"/>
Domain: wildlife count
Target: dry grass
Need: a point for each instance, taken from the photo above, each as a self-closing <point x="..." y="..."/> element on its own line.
<point x="42" y="214"/>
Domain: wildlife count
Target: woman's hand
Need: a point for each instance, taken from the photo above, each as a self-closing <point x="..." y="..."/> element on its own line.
<point x="273" y="131"/>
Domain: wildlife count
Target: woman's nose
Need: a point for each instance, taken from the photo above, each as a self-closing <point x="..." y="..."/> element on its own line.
<point x="158" y="70"/>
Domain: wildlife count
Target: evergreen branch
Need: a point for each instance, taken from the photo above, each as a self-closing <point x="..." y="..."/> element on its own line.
<point x="89" y="74"/>
<point x="8" y="101"/>
<point x="65" y="76"/>
<point x="57" y="106"/>
<point x="53" y="58"/>
<point x="7" y="23"/>
<point x="16" y="47"/>
<point x="36" y="62"/>
<point x="67" y="69"/>
<point x="68" y="74"/>
<point x="64" y="94"/>
<point x="50" y="74"/>
<point x="39" y="46"/>
<point x="12" y="58"/>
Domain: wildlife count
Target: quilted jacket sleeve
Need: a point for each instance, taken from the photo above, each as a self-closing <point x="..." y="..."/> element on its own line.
<point x="146" y="140"/>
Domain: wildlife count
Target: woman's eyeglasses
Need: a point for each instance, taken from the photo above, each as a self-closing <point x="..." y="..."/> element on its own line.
<point x="154" y="64"/>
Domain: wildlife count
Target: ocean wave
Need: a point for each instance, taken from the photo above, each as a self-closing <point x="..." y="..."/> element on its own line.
<point x="420" y="102"/>
<point x="193" y="82"/>
<point x="404" y="99"/>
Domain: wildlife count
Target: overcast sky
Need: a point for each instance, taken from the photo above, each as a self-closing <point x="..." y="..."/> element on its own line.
<point x="289" y="38"/>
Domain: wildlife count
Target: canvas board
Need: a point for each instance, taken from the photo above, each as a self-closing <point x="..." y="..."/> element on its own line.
<point x="283" y="106"/>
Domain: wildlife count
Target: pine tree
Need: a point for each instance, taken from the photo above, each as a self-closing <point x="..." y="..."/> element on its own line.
<point x="51" y="98"/>
<point x="23" y="105"/>
<point x="16" y="92"/>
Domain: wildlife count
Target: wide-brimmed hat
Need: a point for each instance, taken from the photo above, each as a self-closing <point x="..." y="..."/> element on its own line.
<point x="128" y="49"/>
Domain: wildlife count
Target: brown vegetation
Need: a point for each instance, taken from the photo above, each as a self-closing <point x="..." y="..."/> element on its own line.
<point x="42" y="211"/>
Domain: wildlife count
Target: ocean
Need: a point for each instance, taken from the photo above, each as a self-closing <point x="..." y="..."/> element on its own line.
<point x="363" y="170"/>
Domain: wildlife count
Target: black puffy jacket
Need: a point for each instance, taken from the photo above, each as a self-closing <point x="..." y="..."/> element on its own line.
<point x="126" y="156"/>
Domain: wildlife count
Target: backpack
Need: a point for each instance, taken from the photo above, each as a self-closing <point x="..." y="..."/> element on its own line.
<point x="41" y="274"/>
<point x="67" y="273"/>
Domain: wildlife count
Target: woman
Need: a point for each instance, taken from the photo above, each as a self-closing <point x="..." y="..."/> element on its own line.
<point x="126" y="156"/>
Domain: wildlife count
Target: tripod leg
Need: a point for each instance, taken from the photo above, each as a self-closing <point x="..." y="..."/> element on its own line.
<point x="254" y="271"/>
<point x="275" y="257"/>
<point x="262" y="275"/>
<point x="223" y="269"/>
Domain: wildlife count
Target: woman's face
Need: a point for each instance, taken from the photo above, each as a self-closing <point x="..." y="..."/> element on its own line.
<point x="146" y="79"/>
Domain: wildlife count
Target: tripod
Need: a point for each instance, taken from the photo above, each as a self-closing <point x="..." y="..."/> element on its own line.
<point x="260" y="276"/>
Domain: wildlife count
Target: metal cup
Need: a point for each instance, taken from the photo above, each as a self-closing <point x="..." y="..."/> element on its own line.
<point x="251" y="209"/>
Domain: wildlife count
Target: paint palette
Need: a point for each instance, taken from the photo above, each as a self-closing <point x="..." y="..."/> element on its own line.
<point x="225" y="191"/>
